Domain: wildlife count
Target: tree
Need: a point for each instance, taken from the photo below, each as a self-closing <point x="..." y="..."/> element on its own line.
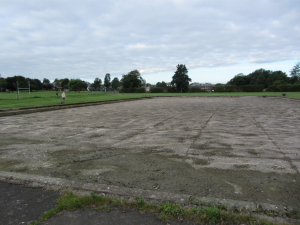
<point x="38" y="84"/>
<point x="46" y="81"/>
<point x="181" y="79"/>
<point x="163" y="84"/>
<point x="97" y="83"/>
<point x="77" y="84"/>
<point x="10" y="83"/>
<point x="239" y="79"/>
<point x="3" y="84"/>
<point x="158" y="84"/>
<point x="64" y="83"/>
<point x="115" y="83"/>
<point x="107" y="80"/>
<point x="295" y="73"/>
<point x="57" y="83"/>
<point x="132" y="80"/>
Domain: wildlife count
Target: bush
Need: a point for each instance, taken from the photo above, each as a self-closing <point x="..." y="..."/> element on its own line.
<point x="225" y="88"/>
<point x="251" y="88"/>
<point x="157" y="90"/>
<point x="171" y="89"/>
<point x="140" y="90"/>
<point x="284" y="88"/>
<point x="174" y="90"/>
<point x="197" y="89"/>
<point x="132" y="90"/>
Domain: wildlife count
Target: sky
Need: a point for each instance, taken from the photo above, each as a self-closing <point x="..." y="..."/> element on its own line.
<point x="215" y="39"/>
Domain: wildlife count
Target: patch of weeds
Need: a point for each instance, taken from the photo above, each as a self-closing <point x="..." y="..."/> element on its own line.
<point x="141" y="202"/>
<point x="210" y="215"/>
<point x="34" y="222"/>
<point x="105" y="208"/>
<point x="163" y="217"/>
<point x="116" y="202"/>
<point x="213" y="214"/>
<point x="171" y="209"/>
<point x="37" y="187"/>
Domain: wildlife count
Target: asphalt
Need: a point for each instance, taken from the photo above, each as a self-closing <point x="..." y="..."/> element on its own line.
<point x="22" y="205"/>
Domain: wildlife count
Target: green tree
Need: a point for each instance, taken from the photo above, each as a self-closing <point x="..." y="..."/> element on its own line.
<point x="107" y="80"/>
<point x="181" y="79"/>
<point x="57" y="83"/>
<point x="3" y="84"/>
<point x="132" y="80"/>
<point x="11" y="83"/>
<point x="295" y="73"/>
<point x="97" y="83"/>
<point x="163" y="84"/>
<point x="64" y="83"/>
<point x="46" y="81"/>
<point x="38" y="84"/>
<point x="115" y="83"/>
<point x="277" y="77"/>
<point x="259" y="77"/>
<point x="77" y="84"/>
<point x="239" y="79"/>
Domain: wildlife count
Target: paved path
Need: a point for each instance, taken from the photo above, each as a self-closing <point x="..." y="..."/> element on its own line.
<point x="20" y="205"/>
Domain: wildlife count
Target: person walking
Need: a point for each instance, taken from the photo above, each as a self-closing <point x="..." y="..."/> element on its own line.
<point x="63" y="95"/>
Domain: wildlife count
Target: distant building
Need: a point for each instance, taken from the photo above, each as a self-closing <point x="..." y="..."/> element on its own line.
<point x="206" y="86"/>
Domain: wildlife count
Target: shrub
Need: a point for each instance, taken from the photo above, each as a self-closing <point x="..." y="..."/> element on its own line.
<point x="197" y="89"/>
<point x="157" y="90"/>
<point x="284" y="88"/>
<point x="132" y="90"/>
<point x="140" y="90"/>
<point x="251" y="88"/>
<point x="225" y="88"/>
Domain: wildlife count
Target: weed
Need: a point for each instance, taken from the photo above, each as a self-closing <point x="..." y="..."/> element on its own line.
<point x="105" y="208"/>
<point x="171" y="209"/>
<point x="141" y="202"/>
<point x="34" y="222"/>
<point x="213" y="214"/>
<point x="37" y="187"/>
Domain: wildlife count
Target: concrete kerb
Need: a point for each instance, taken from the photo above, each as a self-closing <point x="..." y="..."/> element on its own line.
<point x="61" y="185"/>
<point x="34" y="109"/>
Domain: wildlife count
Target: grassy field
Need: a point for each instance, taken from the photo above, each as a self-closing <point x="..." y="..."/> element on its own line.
<point x="9" y="100"/>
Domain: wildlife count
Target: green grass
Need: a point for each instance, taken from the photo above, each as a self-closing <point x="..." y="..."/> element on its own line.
<point x="43" y="98"/>
<point x="165" y="211"/>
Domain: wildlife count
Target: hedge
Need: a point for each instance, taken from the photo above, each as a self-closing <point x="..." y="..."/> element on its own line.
<point x="225" y="88"/>
<point x="251" y="88"/>
<point x="197" y="89"/>
<point x="157" y="90"/>
<point x="132" y="90"/>
<point x="284" y="88"/>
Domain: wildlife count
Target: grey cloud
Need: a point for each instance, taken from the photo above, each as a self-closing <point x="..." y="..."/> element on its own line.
<point x="90" y="38"/>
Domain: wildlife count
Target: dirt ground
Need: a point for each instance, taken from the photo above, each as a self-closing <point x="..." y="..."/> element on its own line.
<point x="242" y="148"/>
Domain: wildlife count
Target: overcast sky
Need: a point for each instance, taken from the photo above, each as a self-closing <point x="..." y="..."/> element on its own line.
<point x="88" y="38"/>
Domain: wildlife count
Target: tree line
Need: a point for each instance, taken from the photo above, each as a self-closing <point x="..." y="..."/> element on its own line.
<point x="133" y="82"/>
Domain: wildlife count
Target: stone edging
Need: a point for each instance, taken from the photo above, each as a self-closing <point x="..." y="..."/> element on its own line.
<point x="59" y="184"/>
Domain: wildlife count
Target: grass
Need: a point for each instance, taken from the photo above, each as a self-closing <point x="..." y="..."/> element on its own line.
<point x="165" y="211"/>
<point x="43" y="98"/>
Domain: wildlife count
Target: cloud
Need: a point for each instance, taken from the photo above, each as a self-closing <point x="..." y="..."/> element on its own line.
<point x="87" y="39"/>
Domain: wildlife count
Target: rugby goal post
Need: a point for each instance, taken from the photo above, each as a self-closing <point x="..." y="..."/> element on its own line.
<point x="22" y="89"/>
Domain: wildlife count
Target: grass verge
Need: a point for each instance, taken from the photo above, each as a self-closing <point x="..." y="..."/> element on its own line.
<point x="165" y="211"/>
<point x="44" y="98"/>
